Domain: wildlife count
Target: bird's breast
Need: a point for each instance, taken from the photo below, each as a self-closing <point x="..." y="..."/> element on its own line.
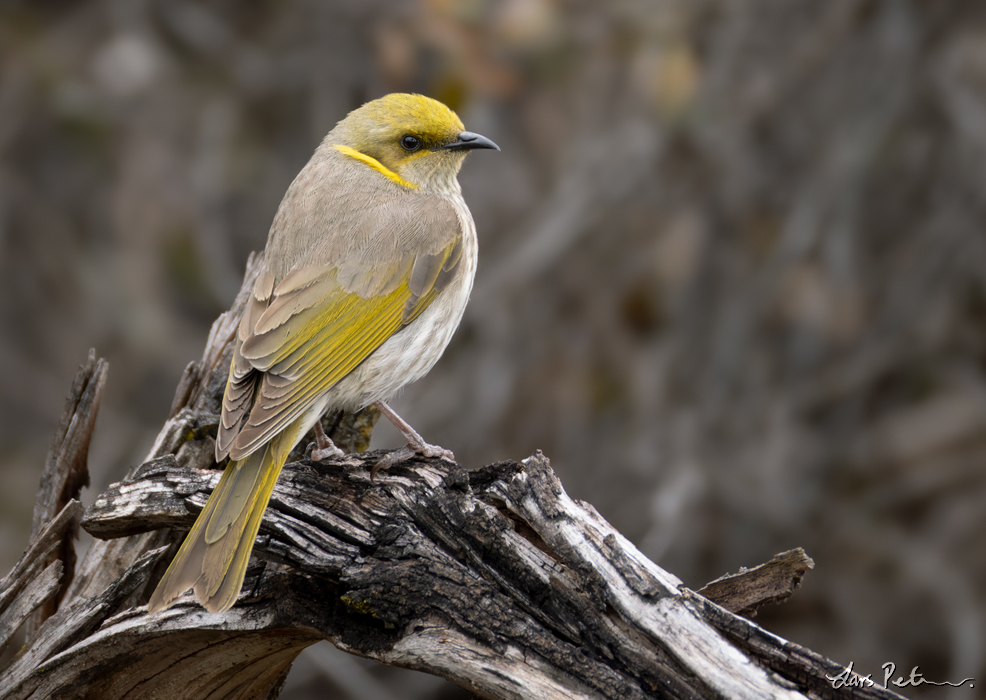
<point x="411" y="352"/>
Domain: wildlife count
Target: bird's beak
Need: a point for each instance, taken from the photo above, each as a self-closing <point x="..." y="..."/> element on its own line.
<point x="468" y="141"/>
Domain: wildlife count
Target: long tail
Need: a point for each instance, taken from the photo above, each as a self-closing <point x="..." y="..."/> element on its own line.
<point x="213" y="558"/>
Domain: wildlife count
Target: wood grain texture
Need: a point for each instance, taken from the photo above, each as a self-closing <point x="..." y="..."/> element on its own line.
<point x="493" y="578"/>
<point x="66" y="473"/>
<point x="772" y="582"/>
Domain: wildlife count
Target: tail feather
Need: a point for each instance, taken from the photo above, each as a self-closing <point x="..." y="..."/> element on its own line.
<point x="214" y="556"/>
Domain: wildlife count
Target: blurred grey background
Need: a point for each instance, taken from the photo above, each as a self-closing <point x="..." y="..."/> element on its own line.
<point x="732" y="276"/>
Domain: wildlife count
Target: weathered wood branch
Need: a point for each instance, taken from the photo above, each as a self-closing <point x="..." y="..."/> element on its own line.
<point x="494" y="578"/>
<point x="66" y="473"/>
<point x="774" y="582"/>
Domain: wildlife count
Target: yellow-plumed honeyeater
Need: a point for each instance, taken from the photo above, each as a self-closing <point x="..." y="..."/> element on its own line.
<point x="367" y="271"/>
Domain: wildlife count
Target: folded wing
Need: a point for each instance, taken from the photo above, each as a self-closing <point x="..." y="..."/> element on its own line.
<point x="303" y="333"/>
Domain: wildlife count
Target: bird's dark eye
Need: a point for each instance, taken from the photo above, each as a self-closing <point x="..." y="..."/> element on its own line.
<point x="410" y="143"/>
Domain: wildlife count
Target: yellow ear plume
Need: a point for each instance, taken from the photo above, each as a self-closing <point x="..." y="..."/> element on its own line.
<point x="376" y="165"/>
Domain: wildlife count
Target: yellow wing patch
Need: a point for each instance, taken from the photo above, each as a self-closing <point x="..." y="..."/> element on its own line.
<point x="321" y="334"/>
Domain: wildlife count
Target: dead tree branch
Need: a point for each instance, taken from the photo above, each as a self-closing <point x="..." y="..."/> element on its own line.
<point x="494" y="578"/>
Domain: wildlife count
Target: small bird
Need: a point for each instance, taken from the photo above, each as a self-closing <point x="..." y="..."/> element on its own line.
<point x="366" y="273"/>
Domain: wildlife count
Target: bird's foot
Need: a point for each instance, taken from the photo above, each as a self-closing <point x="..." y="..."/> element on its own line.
<point x="408" y="451"/>
<point x="323" y="448"/>
<point x="320" y="454"/>
<point x="415" y="444"/>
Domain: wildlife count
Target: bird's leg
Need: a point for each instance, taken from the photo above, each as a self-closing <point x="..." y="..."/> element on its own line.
<point x="415" y="443"/>
<point x="324" y="448"/>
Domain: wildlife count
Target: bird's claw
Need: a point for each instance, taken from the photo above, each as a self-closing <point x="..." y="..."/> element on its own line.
<point x="323" y="448"/>
<point x="408" y="451"/>
<point x="321" y="454"/>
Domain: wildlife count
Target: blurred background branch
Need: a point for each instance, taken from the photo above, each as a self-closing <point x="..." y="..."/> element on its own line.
<point x="738" y="244"/>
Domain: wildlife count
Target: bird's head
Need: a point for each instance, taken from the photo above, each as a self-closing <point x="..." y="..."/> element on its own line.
<point x="415" y="138"/>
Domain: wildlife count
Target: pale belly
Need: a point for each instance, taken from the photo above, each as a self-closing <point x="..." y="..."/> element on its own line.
<point x="410" y="353"/>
